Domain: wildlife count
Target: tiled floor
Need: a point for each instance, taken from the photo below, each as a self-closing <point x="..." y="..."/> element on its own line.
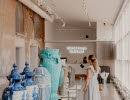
<point x="109" y="93"/>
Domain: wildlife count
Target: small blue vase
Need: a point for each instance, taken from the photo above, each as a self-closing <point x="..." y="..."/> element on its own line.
<point x="15" y="90"/>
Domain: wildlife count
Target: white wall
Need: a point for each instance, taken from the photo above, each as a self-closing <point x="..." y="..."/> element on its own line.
<point x="49" y="30"/>
<point x="73" y="57"/>
<point x="105" y="49"/>
<point x="104" y="33"/>
<point x="56" y="32"/>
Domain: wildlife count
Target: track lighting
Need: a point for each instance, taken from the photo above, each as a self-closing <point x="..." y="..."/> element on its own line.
<point x="64" y="24"/>
<point x="40" y="3"/>
<point x="50" y="11"/>
<point x="84" y="6"/>
<point x="89" y="23"/>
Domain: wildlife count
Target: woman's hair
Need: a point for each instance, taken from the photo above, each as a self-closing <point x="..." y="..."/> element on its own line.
<point x="94" y="61"/>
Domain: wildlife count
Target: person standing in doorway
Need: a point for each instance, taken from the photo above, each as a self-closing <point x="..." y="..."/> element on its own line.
<point x="91" y="89"/>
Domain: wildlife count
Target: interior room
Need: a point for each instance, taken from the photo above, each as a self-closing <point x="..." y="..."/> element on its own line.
<point x="53" y="50"/>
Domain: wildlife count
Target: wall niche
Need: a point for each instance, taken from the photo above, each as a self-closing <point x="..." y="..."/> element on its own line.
<point x="38" y="27"/>
<point x="19" y="19"/>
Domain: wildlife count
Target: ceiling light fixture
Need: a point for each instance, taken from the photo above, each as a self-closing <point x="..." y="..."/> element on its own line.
<point x="90" y="24"/>
<point x="63" y="24"/>
<point x="50" y="11"/>
<point x="39" y="2"/>
<point x="84" y="6"/>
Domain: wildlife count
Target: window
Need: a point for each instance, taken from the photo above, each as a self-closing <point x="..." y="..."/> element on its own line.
<point x="122" y="40"/>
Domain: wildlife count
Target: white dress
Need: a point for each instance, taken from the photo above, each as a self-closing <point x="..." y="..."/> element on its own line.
<point x="92" y="92"/>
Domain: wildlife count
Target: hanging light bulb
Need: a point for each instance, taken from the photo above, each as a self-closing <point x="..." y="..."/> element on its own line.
<point x="89" y="23"/>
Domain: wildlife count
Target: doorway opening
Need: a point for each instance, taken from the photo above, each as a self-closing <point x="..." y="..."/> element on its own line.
<point x="20" y="58"/>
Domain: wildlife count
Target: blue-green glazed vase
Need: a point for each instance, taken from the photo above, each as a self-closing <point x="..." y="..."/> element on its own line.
<point x="50" y="59"/>
<point x="61" y="77"/>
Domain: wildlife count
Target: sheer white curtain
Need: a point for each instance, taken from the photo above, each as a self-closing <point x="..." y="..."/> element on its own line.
<point x="122" y="40"/>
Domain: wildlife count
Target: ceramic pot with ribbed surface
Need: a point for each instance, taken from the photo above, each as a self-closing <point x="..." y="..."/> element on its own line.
<point x="43" y="79"/>
<point x="50" y="59"/>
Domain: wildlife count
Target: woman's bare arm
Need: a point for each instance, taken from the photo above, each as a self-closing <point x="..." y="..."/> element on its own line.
<point x="87" y="79"/>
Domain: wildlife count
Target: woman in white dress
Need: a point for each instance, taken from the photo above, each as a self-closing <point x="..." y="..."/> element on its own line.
<point x="91" y="88"/>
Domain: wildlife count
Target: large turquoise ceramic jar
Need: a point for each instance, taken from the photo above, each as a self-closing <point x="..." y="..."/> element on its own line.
<point x="50" y="59"/>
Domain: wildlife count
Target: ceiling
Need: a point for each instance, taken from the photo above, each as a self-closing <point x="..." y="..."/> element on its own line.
<point x="71" y="11"/>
